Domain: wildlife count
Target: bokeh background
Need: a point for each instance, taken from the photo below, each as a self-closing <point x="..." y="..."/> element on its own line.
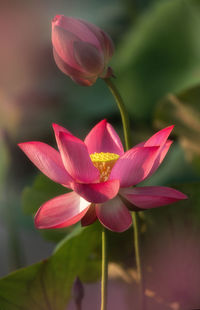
<point x="157" y="69"/>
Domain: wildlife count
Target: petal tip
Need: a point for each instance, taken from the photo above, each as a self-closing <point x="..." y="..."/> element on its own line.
<point x="55" y="126"/>
<point x="63" y="135"/>
<point x="23" y="145"/>
<point x="184" y="196"/>
<point x="56" y="18"/>
<point x="169" y="129"/>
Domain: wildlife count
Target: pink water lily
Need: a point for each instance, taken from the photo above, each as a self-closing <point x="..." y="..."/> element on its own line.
<point x="81" y="50"/>
<point x="101" y="176"/>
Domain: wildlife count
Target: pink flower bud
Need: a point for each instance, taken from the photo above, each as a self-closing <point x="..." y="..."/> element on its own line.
<point x="81" y="50"/>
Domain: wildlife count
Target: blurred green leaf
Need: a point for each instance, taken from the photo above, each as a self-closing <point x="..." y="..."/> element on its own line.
<point x="183" y="110"/>
<point x="42" y="190"/>
<point x="4" y="160"/>
<point x="160" y="54"/>
<point x="182" y="214"/>
<point x="47" y="285"/>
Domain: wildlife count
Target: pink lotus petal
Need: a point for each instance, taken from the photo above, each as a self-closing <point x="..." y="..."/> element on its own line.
<point x="90" y="217"/>
<point x="160" y="137"/>
<point x="61" y="211"/>
<point x="103" y="138"/>
<point x="160" y="156"/>
<point x="75" y="27"/>
<point x="109" y="46"/>
<point x="89" y="57"/>
<point x="70" y="68"/>
<point x="134" y="166"/>
<point x="151" y="196"/>
<point x="63" y="44"/>
<point x="114" y="215"/>
<point x="97" y="192"/>
<point x="84" y="81"/>
<point x="76" y="158"/>
<point x="75" y="74"/>
<point x="57" y="128"/>
<point x="47" y="160"/>
<point x="104" y="39"/>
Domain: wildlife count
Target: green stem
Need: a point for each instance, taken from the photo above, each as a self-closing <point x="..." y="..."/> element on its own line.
<point x="123" y="112"/>
<point x="104" y="278"/>
<point x="126" y="129"/>
<point x="138" y="259"/>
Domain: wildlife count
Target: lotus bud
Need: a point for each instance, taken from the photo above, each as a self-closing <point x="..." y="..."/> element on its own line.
<point x="81" y="50"/>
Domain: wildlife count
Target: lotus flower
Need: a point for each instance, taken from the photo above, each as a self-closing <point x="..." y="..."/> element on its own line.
<point x="101" y="176"/>
<point x="81" y="50"/>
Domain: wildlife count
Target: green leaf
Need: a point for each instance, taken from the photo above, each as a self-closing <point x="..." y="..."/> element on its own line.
<point x="47" y="285"/>
<point x="42" y="190"/>
<point x="183" y="110"/>
<point x="160" y="54"/>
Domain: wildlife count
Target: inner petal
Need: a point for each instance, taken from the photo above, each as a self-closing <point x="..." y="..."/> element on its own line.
<point x="104" y="162"/>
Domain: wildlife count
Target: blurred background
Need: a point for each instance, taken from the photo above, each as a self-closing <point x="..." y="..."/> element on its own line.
<point x="157" y="68"/>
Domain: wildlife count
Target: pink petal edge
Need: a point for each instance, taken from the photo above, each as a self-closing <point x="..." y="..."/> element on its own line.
<point x="57" y="129"/>
<point x="107" y="141"/>
<point x="160" y="157"/>
<point x="76" y="159"/>
<point x="97" y="192"/>
<point x="47" y="160"/>
<point x="134" y="166"/>
<point x="77" y="28"/>
<point x="114" y="215"/>
<point x="151" y="196"/>
<point x="160" y="137"/>
<point x="61" y="211"/>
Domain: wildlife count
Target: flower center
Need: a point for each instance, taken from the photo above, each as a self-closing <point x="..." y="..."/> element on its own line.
<point x="104" y="162"/>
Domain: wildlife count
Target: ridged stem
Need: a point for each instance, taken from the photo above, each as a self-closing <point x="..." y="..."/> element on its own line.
<point x="104" y="277"/>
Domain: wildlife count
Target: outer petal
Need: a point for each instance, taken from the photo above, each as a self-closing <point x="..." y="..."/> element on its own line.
<point x="160" y="137"/>
<point x="108" y="45"/>
<point x="114" y="215"/>
<point x="77" y="27"/>
<point x="151" y="196"/>
<point x="47" y="160"/>
<point x="103" y="138"/>
<point x="90" y="217"/>
<point x="63" y="44"/>
<point x="75" y="74"/>
<point x="61" y="211"/>
<point x="57" y="129"/>
<point x="134" y="165"/>
<point x="97" y="192"/>
<point x="84" y="81"/>
<point x="76" y="158"/>
<point x="88" y="57"/>
<point x="160" y="156"/>
<point x="104" y="39"/>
